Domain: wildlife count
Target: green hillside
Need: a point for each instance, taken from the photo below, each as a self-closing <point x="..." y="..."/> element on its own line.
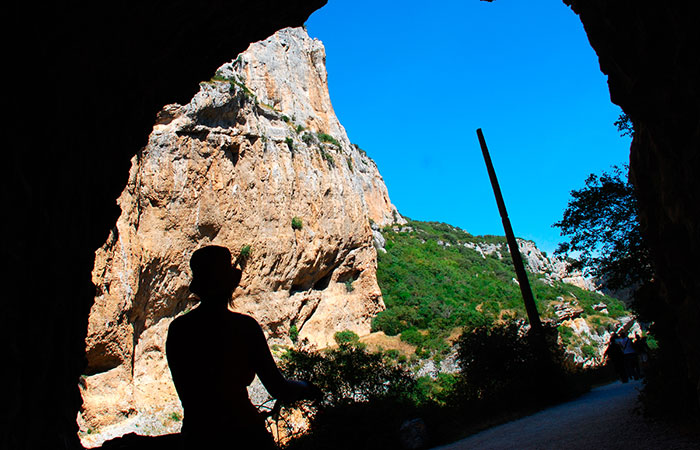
<point x="432" y="283"/>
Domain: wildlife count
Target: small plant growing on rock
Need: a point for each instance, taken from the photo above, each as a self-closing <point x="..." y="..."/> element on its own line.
<point x="348" y="286"/>
<point x="290" y="143"/>
<point x="297" y="224"/>
<point x="299" y="128"/>
<point x="328" y="157"/>
<point x="245" y="251"/>
<point x="308" y="138"/>
<point x="362" y="152"/>
<point x="233" y="82"/>
<point x="294" y="333"/>
<point x="175" y="416"/>
<point x="323" y="137"/>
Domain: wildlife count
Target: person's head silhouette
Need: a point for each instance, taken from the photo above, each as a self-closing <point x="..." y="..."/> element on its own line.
<point x="214" y="278"/>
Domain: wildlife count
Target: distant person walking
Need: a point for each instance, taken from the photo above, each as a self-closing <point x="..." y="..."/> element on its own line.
<point x="214" y="354"/>
<point x="615" y="357"/>
<point x="629" y="357"/>
<point x="642" y="349"/>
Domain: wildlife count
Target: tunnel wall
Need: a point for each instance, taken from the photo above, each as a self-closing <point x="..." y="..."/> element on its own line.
<point x="84" y="81"/>
<point x="650" y="52"/>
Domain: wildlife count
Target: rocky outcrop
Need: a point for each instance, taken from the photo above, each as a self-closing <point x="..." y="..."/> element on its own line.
<point x="257" y="162"/>
<point x="536" y="261"/>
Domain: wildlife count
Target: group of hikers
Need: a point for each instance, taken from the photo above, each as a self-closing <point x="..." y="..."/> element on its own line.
<point x="627" y="356"/>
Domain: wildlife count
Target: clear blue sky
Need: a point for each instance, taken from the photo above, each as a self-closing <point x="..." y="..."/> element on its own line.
<point x="412" y="83"/>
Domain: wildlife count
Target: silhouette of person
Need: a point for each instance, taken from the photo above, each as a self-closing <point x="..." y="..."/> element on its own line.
<point x="214" y="353"/>
<point x="615" y="357"/>
<point x="642" y="349"/>
<point x="629" y="357"/>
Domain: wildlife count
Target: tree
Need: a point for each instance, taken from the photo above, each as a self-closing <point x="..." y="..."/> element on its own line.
<point x="624" y="125"/>
<point x="601" y="225"/>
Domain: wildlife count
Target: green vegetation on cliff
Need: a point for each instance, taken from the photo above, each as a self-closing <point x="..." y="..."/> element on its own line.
<point x="432" y="282"/>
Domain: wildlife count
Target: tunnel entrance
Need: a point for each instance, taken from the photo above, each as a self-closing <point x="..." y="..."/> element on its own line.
<point x="210" y="231"/>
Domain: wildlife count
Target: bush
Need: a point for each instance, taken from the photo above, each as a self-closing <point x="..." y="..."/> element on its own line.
<point x="348" y="374"/>
<point x="438" y="391"/>
<point x="413" y="337"/>
<point x="392" y="354"/>
<point x="297" y="223"/>
<point x="346" y="337"/>
<point x="503" y="366"/>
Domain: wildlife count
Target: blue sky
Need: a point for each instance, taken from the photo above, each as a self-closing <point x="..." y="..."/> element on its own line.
<point x="411" y="85"/>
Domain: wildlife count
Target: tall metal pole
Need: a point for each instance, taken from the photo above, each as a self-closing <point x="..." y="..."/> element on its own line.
<point x="528" y="299"/>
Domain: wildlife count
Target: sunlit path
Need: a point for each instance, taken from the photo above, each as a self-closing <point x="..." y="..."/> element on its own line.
<point x="605" y="418"/>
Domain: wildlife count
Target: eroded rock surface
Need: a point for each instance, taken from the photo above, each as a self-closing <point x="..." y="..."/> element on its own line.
<point x="552" y="267"/>
<point x="257" y="148"/>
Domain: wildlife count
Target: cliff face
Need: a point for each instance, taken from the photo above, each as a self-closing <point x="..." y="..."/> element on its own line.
<point x="257" y="147"/>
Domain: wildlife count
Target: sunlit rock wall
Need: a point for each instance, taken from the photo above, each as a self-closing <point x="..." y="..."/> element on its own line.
<point x="234" y="167"/>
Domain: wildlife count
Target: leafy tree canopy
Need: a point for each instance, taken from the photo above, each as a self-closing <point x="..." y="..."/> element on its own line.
<point x="601" y="225"/>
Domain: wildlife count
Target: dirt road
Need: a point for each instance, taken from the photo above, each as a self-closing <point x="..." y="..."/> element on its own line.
<point x="605" y="418"/>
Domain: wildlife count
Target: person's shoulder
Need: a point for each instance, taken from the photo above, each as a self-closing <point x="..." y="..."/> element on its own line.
<point x="246" y="323"/>
<point x="177" y="330"/>
<point x="178" y="323"/>
<point x="244" y="319"/>
<point x="183" y="321"/>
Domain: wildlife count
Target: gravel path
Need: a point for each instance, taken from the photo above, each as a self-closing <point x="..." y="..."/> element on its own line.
<point x="604" y="418"/>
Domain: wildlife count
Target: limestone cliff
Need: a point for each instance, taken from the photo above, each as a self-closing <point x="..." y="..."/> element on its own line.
<point x="258" y="148"/>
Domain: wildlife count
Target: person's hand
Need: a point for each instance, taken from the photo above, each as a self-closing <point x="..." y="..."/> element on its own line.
<point x="312" y="391"/>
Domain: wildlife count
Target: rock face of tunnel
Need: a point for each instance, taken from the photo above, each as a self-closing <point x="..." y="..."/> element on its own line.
<point x="85" y="81"/>
<point x="650" y="52"/>
<point x="258" y="146"/>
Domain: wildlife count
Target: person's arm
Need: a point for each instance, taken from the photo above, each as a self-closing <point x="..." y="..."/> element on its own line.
<point x="264" y="365"/>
